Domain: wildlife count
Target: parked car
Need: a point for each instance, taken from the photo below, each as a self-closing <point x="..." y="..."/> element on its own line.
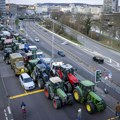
<point x="26" y="81"/>
<point x="98" y="59"/>
<point x="61" y="53"/>
<point x="37" y="39"/>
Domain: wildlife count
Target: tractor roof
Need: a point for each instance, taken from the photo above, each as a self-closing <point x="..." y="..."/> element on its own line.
<point x="33" y="47"/>
<point x="39" y="66"/>
<point x="8" y="41"/>
<point x="87" y="83"/>
<point x="47" y="60"/>
<point x="16" y="55"/>
<point x="55" y="79"/>
<point x="67" y="66"/>
<point x="34" y="61"/>
<point x="57" y="63"/>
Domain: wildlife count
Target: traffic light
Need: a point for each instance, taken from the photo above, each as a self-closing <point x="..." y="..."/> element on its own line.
<point x="98" y="76"/>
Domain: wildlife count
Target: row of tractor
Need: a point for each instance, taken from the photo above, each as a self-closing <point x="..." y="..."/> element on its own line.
<point x="57" y="78"/>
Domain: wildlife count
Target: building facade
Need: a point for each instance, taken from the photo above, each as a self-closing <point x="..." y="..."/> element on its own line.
<point x="2" y="7"/>
<point x="110" y="6"/>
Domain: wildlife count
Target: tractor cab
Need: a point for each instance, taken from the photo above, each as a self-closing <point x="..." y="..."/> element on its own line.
<point x="87" y="85"/>
<point x="46" y="62"/>
<point x="67" y="73"/>
<point x="56" y="82"/>
<point x="56" y="65"/>
<point x="8" y="43"/>
<point x="41" y="68"/>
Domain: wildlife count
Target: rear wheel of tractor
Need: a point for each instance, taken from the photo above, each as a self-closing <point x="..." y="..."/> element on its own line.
<point x="56" y="103"/>
<point x="40" y="84"/>
<point x="90" y="107"/>
<point x="77" y="95"/>
<point x="70" y="99"/>
<point x="68" y="87"/>
<point x="47" y="92"/>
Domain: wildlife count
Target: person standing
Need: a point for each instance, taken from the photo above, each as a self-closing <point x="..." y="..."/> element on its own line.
<point x="118" y="109"/>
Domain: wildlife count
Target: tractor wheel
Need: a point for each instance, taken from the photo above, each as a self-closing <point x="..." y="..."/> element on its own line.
<point x="77" y="95"/>
<point x="57" y="103"/>
<point x="47" y="92"/>
<point x="40" y="84"/>
<point x="67" y="87"/>
<point x="90" y="107"/>
<point x="70" y="99"/>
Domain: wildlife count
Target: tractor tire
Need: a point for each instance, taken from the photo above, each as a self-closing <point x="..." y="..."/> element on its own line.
<point x="70" y="99"/>
<point x="77" y="95"/>
<point x="40" y="84"/>
<point x="56" y="103"/>
<point x="47" y="92"/>
<point x="67" y="87"/>
<point x="90" y="107"/>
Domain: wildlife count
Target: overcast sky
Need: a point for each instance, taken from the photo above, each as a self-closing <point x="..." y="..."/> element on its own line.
<point x="55" y="1"/>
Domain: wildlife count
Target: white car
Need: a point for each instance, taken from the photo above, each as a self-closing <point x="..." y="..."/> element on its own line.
<point x="26" y="81"/>
<point x="37" y="39"/>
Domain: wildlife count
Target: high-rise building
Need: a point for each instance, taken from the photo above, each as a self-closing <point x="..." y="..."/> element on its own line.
<point x="110" y="6"/>
<point x="2" y="7"/>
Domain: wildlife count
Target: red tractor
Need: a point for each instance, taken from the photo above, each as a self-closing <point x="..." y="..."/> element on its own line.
<point x="66" y="73"/>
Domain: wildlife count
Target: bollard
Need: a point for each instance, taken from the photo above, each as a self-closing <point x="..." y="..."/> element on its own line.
<point x="79" y="114"/>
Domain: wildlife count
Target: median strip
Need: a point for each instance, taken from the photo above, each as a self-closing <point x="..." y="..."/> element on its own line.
<point x="25" y="94"/>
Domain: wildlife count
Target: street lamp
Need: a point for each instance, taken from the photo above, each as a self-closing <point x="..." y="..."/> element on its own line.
<point x="52" y="40"/>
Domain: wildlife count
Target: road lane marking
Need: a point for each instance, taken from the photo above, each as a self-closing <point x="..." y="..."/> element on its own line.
<point x="113" y="118"/>
<point x="25" y="94"/>
<point x="9" y="110"/>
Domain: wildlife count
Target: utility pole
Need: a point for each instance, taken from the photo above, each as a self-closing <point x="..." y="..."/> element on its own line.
<point x="53" y="41"/>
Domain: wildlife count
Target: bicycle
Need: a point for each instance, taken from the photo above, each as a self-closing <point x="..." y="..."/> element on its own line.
<point x="24" y="113"/>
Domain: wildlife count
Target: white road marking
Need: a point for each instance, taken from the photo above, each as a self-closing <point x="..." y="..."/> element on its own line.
<point x="9" y="110"/>
<point x="5" y="114"/>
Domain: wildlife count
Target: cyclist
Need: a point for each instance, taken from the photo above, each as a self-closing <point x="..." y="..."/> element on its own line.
<point x="23" y="108"/>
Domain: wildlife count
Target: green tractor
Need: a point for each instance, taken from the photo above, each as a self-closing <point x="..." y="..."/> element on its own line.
<point x="54" y="90"/>
<point x="31" y="64"/>
<point x="40" y="75"/>
<point x="84" y="93"/>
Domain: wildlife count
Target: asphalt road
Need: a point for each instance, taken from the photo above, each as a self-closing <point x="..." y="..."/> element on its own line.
<point x="73" y="52"/>
<point x="89" y="43"/>
<point x="38" y="107"/>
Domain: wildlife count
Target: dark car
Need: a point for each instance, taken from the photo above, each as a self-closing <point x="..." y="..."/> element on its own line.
<point x="61" y="53"/>
<point x="98" y="59"/>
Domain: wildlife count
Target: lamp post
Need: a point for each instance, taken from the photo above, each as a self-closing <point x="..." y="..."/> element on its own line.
<point x="53" y="40"/>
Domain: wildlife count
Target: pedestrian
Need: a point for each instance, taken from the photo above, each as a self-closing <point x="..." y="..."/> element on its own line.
<point x="118" y="109"/>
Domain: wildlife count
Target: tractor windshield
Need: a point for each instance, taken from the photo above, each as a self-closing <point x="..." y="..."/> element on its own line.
<point x="70" y="71"/>
<point x="19" y="64"/>
<point x="57" y="85"/>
